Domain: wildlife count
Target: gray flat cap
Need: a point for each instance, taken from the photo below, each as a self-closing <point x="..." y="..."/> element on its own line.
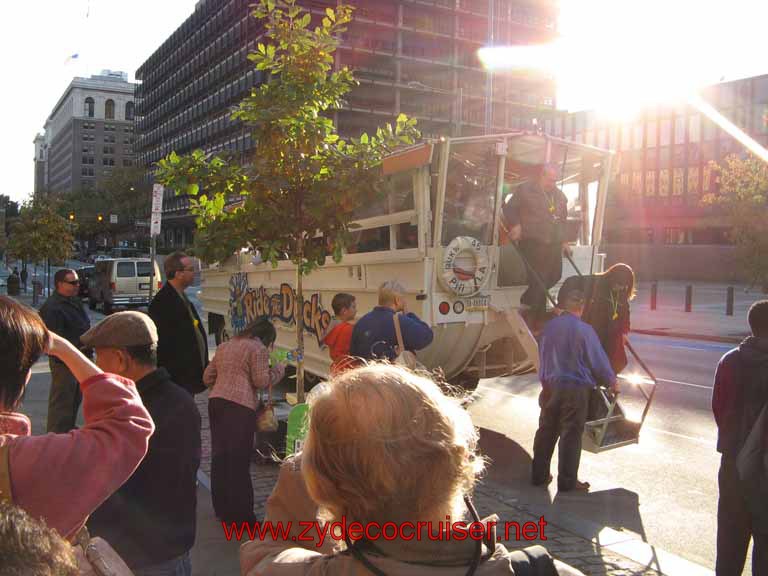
<point x="121" y="330"/>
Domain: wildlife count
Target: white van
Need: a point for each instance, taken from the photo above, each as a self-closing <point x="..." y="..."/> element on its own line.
<point x="122" y="282"/>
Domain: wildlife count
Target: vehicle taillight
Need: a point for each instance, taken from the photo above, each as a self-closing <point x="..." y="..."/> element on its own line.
<point x="159" y="284"/>
<point x="113" y="286"/>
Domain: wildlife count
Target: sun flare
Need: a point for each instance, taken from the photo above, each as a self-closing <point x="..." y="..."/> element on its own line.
<point x="617" y="56"/>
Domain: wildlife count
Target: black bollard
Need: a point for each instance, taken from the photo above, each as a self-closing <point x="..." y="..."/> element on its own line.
<point x="688" y="298"/>
<point x="654" y="294"/>
<point x="729" y="301"/>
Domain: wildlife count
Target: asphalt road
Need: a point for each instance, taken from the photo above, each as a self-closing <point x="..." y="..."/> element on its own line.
<point x="663" y="489"/>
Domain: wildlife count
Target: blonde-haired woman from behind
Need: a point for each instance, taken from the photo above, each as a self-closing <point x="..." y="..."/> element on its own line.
<point x="384" y="445"/>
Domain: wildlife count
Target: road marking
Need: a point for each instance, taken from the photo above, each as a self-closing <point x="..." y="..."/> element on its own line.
<point x="692" y="438"/>
<point x="645" y="426"/>
<point x="684" y="383"/>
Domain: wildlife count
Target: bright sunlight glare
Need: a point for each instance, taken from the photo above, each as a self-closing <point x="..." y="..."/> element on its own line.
<point x="636" y="379"/>
<point x="616" y="56"/>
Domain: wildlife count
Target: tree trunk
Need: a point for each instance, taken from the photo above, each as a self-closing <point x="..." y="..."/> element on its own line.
<point x="299" y="313"/>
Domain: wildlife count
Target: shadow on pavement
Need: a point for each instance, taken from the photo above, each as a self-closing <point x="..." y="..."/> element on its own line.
<point x="509" y="466"/>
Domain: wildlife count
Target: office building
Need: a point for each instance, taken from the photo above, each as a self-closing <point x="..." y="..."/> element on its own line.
<point x="418" y="57"/>
<point x="89" y="133"/>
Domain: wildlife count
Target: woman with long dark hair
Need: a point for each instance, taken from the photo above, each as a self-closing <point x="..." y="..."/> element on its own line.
<point x="607" y="307"/>
<point x="62" y="478"/>
<point x="238" y="370"/>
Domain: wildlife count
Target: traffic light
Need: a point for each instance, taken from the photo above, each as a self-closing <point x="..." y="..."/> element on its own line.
<point x="100" y="217"/>
<point x="71" y="216"/>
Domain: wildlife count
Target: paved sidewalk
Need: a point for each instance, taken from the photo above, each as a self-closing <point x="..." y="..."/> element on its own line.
<point x="707" y="319"/>
<point x="610" y="553"/>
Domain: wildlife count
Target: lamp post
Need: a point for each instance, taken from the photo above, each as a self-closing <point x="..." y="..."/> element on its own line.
<point x="458" y="102"/>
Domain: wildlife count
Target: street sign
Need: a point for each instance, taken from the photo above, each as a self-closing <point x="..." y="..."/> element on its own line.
<point x="157" y="210"/>
<point x="154" y="226"/>
<point x="157" y="198"/>
<point x="113" y="218"/>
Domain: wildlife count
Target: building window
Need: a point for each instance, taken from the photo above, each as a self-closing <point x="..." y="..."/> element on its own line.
<point x="693" y="180"/>
<point x="88" y="159"/>
<point x="109" y="109"/>
<point x="129" y="111"/>
<point x="89" y="107"/>
<point x="637" y="183"/>
<point x="109" y="127"/>
<point x="680" y="130"/>
<point x="694" y="128"/>
<point x="664" y="183"/>
<point x="665" y="139"/>
<point x="87" y="171"/>
<point x="109" y="150"/>
<point x="650" y="183"/>
<point x="109" y="138"/>
<point x="651" y="134"/>
<point x="679" y="182"/>
<point x="677" y="236"/>
<point x="88" y="137"/>
<point x="127" y="162"/>
<point x="108" y="161"/>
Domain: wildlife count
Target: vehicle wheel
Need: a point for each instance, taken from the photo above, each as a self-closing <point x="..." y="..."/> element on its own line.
<point x="91" y="303"/>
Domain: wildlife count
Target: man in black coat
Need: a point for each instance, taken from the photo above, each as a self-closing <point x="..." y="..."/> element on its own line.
<point x="535" y="217"/>
<point x="151" y="519"/>
<point x="182" y="347"/>
<point x="64" y="314"/>
<point x="738" y="397"/>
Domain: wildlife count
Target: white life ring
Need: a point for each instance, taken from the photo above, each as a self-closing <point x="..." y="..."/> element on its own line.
<point x="456" y="275"/>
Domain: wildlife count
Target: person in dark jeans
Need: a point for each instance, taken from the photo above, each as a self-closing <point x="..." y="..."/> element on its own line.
<point x="239" y="368"/>
<point x="739" y="395"/>
<point x="535" y="217"/>
<point x="64" y="314"/>
<point x="571" y="363"/>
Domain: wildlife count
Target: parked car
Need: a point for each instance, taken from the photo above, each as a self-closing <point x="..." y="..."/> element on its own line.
<point x="85" y="273"/>
<point x="122" y="282"/>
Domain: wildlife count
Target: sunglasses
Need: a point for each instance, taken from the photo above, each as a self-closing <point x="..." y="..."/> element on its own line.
<point x="72" y="282"/>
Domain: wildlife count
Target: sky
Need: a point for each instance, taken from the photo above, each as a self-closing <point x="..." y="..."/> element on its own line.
<point x="614" y="55"/>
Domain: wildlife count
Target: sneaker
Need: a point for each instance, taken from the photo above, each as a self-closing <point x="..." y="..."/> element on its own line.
<point x="577" y="487"/>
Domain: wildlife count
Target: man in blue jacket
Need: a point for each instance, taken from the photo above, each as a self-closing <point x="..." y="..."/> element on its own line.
<point x="374" y="334"/>
<point x="571" y="363"/>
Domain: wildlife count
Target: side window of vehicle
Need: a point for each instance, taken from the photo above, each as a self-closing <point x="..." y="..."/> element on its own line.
<point x="392" y="215"/>
<point x="126" y="270"/>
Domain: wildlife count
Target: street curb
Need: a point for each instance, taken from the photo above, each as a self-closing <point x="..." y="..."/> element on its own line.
<point x="686" y="336"/>
<point x="616" y="541"/>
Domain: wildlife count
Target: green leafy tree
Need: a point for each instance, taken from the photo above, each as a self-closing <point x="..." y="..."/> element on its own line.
<point x="297" y="194"/>
<point x="743" y="193"/>
<point x="41" y="233"/>
<point x="123" y="194"/>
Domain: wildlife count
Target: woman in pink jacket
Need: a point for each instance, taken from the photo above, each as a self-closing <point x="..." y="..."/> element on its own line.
<point x="62" y="478"/>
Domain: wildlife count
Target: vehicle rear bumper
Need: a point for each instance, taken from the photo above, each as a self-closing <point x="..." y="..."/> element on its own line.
<point x="130" y="300"/>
